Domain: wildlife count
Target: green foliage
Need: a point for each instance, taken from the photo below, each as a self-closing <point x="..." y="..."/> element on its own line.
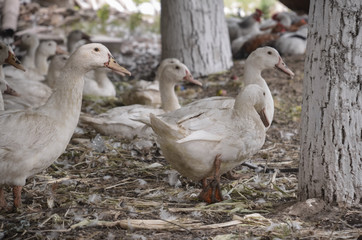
<point x="248" y="6"/>
<point x="103" y="13"/>
<point x="265" y="6"/>
<point x="135" y="20"/>
<point x="138" y="2"/>
<point x="155" y="26"/>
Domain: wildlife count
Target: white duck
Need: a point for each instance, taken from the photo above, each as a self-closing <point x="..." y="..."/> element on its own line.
<point x="213" y="141"/>
<point x="125" y="121"/>
<point x="260" y="59"/>
<point x="6" y="56"/>
<point x="146" y="92"/>
<point x="32" y="139"/>
<point x="98" y="84"/>
<point x="31" y="93"/>
<point x="30" y="42"/>
<point x="75" y="39"/>
<point x="43" y="52"/>
<point x="56" y="64"/>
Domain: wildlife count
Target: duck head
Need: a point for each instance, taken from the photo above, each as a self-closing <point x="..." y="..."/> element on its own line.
<point x="27" y="40"/>
<point x="47" y="48"/>
<point x="177" y="71"/>
<point x="8" y="56"/>
<point x="95" y="55"/>
<point x="268" y="57"/>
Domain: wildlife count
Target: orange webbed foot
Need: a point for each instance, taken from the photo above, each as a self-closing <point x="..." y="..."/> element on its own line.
<point x="211" y="192"/>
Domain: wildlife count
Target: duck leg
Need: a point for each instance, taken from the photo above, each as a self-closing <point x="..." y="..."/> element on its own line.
<point x="211" y="192"/>
<point x="17" y="196"/>
<point x="10" y="91"/>
<point x="2" y="199"/>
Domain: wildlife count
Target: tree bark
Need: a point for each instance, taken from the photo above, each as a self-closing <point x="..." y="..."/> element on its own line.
<point x="195" y="32"/>
<point x="331" y="135"/>
<point x="10" y="13"/>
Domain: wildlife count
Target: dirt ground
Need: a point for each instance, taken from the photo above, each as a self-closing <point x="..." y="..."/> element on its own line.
<point x="105" y="187"/>
<point x="108" y="188"/>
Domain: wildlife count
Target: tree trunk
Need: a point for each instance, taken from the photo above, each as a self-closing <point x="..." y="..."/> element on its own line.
<point x="195" y="32"/>
<point x="331" y="135"/>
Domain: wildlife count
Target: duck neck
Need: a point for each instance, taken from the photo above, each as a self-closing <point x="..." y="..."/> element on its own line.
<point x="2" y="75"/>
<point x="65" y="102"/>
<point x="169" y="100"/>
<point x="1" y="102"/>
<point x="29" y="58"/>
<point x="104" y="82"/>
<point x="41" y="63"/>
<point x="252" y="75"/>
<point x="52" y="75"/>
<point x="241" y="107"/>
<point x="101" y="78"/>
<point x="1" y="83"/>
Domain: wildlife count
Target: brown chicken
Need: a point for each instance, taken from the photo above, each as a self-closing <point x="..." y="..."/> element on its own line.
<point x="252" y="44"/>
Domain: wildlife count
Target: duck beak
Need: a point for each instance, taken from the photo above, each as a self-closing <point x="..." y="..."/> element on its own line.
<point x="10" y="91"/>
<point x="13" y="60"/>
<point x="60" y="50"/>
<point x="190" y="78"/>
<point x="17" y="42"/>
<point x="264" y="118"/>
<point x="283" y="67"/>
<point x="114" y="66"/>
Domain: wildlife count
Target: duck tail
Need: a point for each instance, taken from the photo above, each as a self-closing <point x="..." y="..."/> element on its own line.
<point x="142" y="119"/>
<point x="164" y="129"/>
<point x="86" y="119"/>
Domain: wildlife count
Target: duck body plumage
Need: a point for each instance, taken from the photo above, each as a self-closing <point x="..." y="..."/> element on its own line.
<point x="129" y="121"/>
<point x="30" y="94"/>
<point x="254" y="65"/>
<point x="32" y="139"/>
<point x="97" y="83"/>
<point x="143" y="92"/>
<point x="41" y="64"/>
<point x="191" y="143"/>
<point x="293" y="43"/>
<point x="7" y="56"/>
<point x="44" y="146"/>
<point x="119" y="121"/>
<point x="146" y="92"/>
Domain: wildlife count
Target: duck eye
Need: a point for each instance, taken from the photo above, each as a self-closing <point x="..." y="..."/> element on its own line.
<point x="269" y="52"/>
<point x="263" y="93"/>
<point x="49" y="44"/>
<point x="177" y="67"/>
<point x="1" y="47"/>
<point x="96" y="49"/>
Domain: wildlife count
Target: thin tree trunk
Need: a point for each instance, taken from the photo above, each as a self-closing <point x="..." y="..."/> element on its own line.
<point x="195" y="32"/>
<point x="10" y="13"/>
<point x="331" y="137"/>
